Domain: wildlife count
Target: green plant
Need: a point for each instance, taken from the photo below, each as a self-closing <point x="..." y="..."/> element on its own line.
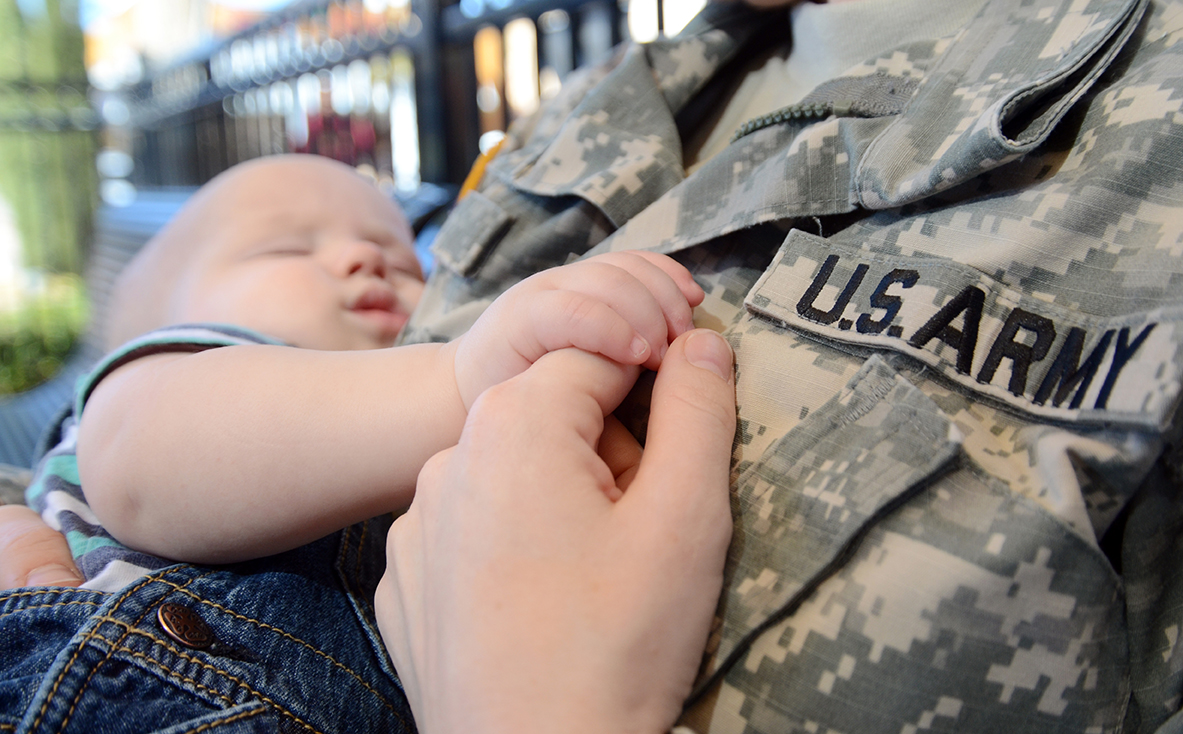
<point x="36" y="336"/>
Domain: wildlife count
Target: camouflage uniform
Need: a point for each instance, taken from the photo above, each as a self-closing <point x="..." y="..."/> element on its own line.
<point x="953" y="282"/>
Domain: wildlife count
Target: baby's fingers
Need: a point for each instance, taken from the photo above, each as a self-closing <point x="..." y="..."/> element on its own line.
<point x="670" y="284"/>
<point x="562" y="319"/>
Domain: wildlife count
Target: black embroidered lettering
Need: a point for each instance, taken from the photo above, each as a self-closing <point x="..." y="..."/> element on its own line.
<point x="1121" y="355"/>
<point x="969" y="301"/>
<point x="1068" y="371"/>
<point x="1020" y="355"/>
<point x="890" y="304"/>
<point x="805" y="306"/>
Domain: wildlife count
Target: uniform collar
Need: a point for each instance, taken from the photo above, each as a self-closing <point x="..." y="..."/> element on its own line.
<point x="620" y="148"/>
<point x="987" y="96"/>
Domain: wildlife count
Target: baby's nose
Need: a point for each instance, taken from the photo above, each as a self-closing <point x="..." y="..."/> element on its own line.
<point x="363" y="258"/>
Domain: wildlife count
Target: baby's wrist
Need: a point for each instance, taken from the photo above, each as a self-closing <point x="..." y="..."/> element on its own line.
<point x="451" y="376"/>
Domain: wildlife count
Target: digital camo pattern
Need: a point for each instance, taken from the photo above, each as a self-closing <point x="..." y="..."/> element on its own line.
<point x="803" y="506"/>
<point x="966" y="611"/>
<point x="1033" y="581"/>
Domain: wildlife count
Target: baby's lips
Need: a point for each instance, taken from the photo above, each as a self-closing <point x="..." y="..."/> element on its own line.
<point x="375" y="299"/>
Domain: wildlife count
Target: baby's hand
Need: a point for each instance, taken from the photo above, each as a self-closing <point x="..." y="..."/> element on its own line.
<point x="627" y="306"/>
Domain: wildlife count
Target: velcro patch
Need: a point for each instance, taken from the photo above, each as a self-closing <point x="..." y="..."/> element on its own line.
<point x="1027" y="352"/>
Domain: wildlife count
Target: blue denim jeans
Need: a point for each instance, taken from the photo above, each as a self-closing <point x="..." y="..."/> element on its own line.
<point x="290" y="645"/>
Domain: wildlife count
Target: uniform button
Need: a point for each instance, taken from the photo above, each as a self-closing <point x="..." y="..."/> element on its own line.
<point x="183" y="625"/>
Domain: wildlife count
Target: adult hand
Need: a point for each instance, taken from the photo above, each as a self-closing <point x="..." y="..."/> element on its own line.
<point x="32" y="553"/>
<point x="534" y="585"/>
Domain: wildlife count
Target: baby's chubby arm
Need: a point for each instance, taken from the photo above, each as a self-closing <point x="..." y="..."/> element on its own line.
<point x="627" y="306"/>
<point x="245" y="451"/>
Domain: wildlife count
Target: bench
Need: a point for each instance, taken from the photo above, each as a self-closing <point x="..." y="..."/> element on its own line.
<point x="119" y="233"/>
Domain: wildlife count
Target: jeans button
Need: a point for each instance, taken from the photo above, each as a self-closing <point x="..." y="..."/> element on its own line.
<point x="184" y="625"/>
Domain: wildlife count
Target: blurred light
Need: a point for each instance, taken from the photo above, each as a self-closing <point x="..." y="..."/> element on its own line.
<point x="404" y="122"/>
<point x="490" y="139"/>
<point x="489" y="59"/>
<point x="242" y="62"/>
<point x="282" y="98"/>
<point x="271" y="47"/>
<point x="411" y="26"/>
<point x="380" y="90"/>
<point x="549" y="83"/>
<point x="115" y="112"/>
<point x="675" y="14"/>
<point x="32" y="9"/>
<point x="553" y="21"/>
<point x="296" y="123"/>
<point x="308" y="93"/>
<point x="122" y="67"/>
<point x="117" y="192"/>
<point x="259" y="53"/>
<point x="375" y="6"/>
<point x="332" y="49"/>
<point x="340" y="95"/>
<point x="113" y="163"/>
<point x="595" y="32"/>
<point x="642" y="20"/>
<point x="521" y="66"/>
<point x="359" y="85"/>
<point x="487" y="99"/>
<point x="472" y="8"/>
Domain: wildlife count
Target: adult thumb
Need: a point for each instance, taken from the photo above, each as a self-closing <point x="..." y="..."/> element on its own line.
<point x="31" y="552"/>
<point x="685" y="468"/>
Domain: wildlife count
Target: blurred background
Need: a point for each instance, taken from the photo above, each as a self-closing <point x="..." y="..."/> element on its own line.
<point x="113" y="111"/>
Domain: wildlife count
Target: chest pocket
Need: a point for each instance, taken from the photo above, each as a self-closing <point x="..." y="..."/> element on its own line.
<point x="881" y="580"/>
<point x="802" y="507"/>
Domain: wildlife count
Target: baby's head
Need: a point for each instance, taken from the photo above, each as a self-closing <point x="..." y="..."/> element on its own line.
<point x="297" y="247"/>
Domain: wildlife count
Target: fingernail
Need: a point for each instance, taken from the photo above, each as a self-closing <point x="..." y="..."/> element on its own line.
<point x="708" y="350"/>
<point x="53" y="574"/>
<point x="639" y="347"/>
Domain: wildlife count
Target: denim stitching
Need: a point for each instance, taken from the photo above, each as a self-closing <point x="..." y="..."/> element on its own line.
<point x="174" y="674"/>
<point x="95" y="632"/>
<point x="114" y="643"/>
<point x="231" y="720"/>
<point x="74" y="657"/>
<point x="40" y="592"/>
<point x="297" y="640"/>
<point x="47" y="606"/>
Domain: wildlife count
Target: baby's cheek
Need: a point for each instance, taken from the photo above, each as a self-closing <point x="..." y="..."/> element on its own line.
<point x="410" y="293"/>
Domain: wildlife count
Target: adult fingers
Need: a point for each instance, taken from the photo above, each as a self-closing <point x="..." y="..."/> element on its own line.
<point x="684" y="473"/>
<point x="565" y="389"/>
<point x="621" y="452"/>
<point x="32" y="553"/>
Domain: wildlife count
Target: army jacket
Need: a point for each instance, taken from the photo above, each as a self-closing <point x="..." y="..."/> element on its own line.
<point x="953" y="280"/>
